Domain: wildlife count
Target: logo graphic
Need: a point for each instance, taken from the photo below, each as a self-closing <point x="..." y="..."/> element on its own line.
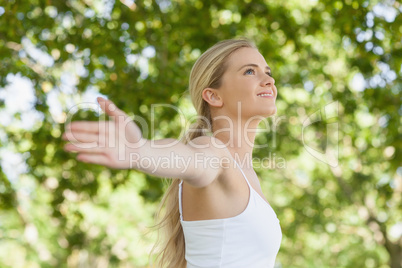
<point x="328" y="115"/>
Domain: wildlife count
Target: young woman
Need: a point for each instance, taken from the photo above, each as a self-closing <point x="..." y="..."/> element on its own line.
<point x="215" y="214"/>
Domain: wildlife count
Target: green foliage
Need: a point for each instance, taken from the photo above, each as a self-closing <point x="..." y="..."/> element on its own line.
<point x="62" y="213"/>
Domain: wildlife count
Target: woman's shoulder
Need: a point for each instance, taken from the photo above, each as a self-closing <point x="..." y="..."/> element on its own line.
<point x="216" y="146"/>
<point x="220" y="156"/>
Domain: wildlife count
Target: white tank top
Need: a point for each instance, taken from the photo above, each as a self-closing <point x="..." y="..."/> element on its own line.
<point x="250" y="239"/>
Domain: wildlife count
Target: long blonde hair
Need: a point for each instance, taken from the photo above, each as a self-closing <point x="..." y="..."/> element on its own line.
<point x="206" y="73"/>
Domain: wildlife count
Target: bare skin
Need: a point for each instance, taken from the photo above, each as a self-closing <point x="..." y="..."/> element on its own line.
<point x="218" y="191"/>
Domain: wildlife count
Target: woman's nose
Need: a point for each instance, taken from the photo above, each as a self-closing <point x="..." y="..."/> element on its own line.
<point x="268" y="81"/>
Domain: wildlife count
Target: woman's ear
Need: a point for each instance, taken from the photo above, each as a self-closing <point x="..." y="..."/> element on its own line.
<point x="211" y="96"/>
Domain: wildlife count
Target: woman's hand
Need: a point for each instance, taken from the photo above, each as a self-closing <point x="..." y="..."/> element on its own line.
<point x="108" y="143"/>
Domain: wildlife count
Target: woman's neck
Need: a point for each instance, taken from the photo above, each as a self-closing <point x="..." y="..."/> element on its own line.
<point x="238" y="136"/>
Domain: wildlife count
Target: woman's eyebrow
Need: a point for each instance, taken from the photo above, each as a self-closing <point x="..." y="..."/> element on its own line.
<point x="254" y="65"/>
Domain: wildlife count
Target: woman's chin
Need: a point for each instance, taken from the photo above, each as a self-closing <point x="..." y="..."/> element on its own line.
<point x="269" y="112"/>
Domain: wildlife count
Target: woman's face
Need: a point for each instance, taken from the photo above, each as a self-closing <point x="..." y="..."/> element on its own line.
<point x="248" y="81"/>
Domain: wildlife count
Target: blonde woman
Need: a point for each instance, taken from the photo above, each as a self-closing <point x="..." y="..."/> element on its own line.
<point x="215" y="214"/>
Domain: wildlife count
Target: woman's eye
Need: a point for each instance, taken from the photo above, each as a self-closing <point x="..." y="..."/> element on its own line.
<point x="269" y="73"/>
<point x="249" y="71"/>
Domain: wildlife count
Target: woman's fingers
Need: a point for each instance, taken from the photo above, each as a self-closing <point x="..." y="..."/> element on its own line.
<point x="98" y="126"/>
<point x="81" y="137"/>
<point x="110" y="108"/>
<point x="87" y="126"/>
<point x="90" y="148"/>
<point x="99" y="159"/>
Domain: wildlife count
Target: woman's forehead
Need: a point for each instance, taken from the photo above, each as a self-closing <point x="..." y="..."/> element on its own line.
<point x="246" y="55"/>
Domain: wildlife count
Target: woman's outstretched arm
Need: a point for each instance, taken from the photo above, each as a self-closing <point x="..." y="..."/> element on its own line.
<point x="119" y="144"/>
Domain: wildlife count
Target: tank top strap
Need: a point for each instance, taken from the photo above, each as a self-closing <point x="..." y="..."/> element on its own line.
<point x="180" y="194"/>
<point x="243" y="173"/>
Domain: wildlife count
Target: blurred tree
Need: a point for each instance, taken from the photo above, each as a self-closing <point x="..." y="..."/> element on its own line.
<point x="336" y="63"/>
